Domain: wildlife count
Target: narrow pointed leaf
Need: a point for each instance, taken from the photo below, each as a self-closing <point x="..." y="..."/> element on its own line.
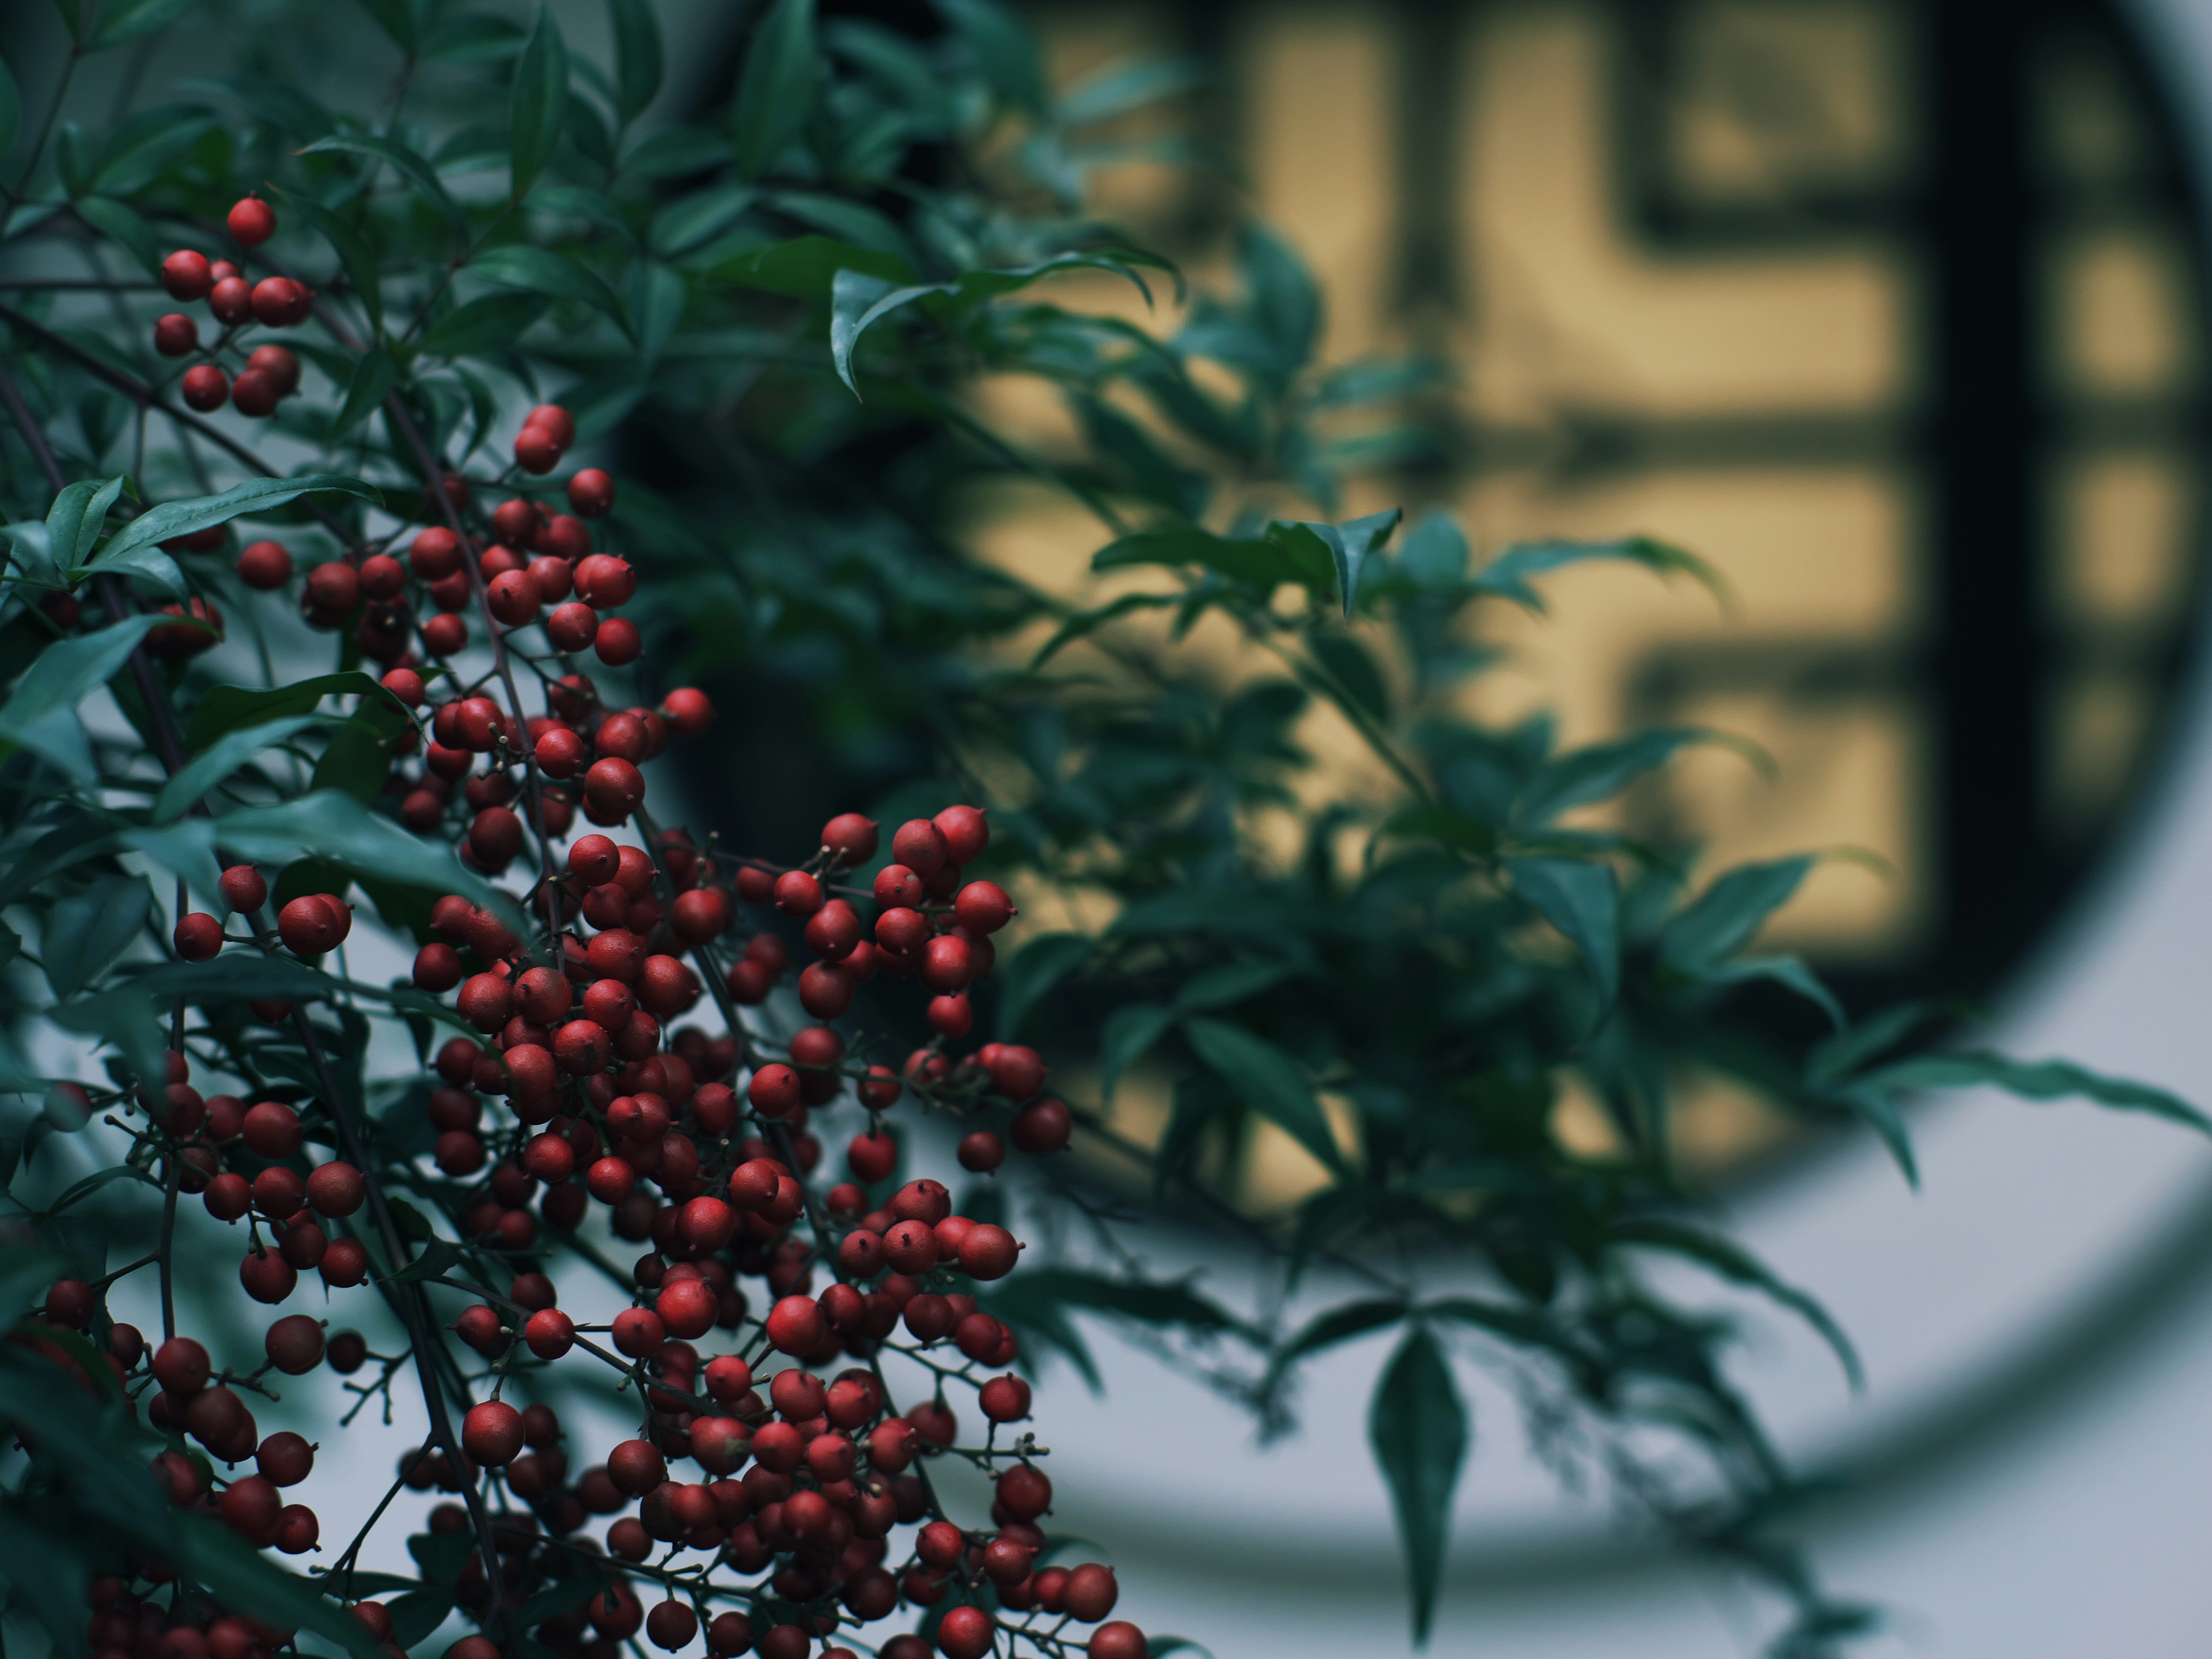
<point x="1418" y="1429"/>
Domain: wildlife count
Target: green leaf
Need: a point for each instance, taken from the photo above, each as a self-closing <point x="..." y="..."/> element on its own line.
<point x="373" y="377"/>
<point x="417" y="1615"/>
<point x="1580" y="897"/>
<point x="440" y="1256"/>
<point x="144" y="144"/>
<point x="1507" y="575"/>
<point x="1337" y="1325"/>
<point x="1087" y="622"/>
<point x="226" y="708"/>
<point x="1128" y="1036"/>
<point x="1253" y="561"/>
<point x="124" y="226"/>
<point x="657" y="296"/>
<point x="86" y="931"/>
<point x="240" y="1576"/>
<point x="256" y="496"/>
<point x="237" y="977"/>
<point x="1353" y="671"/>
<point x="1232" y="983"/>
<point x="775" y="90"/>
<point x="77" y="518"/>
<point x="361" y="752"/>
<point x="540" y="102"/>
<point x="1148" y="1301"/>
<point x="1835" y="1058"/>
<point x="1350" y="546"/>
<point x="1788" y="971"/>
<point x="128" y="19"/>
<point x="1738" y="1267"/>
<point x="1268" y="1080"/>
<point x="1033" y="972"/>
<point x="489" y="324"/>
<point x="2039" y="1080"/>
<point x="1004" y="48"/>
<point x="329" y="825"/>
<point x="1122" y="86"/>
<point x="1597" y="773"/>
<point x="417" y="171"/>
<point x="637" y="56"/>
<point x="1724" y="918"/>
<point x="544" y="271"/>
<point x="355" y="254"/>
<point x="11" y="109"/>
<point x="693" y="219"/>
<point x="125" y="1018"/>
<point x="40" y="715"/>
<point x="1418" y="1429"/>
<point x="805" y="267"/>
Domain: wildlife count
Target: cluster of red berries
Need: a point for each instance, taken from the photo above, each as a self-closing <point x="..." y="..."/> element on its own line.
<point x="271" y="372"/>
<point x="701" y="1147"/>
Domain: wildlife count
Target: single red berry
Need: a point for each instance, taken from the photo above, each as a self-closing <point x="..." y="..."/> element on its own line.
<point x="336" y="1188"/>
<point x="966" y="833"/>
<point x="687" y="711"/>
<point x="176" y="335"/>
<point x="491" y="1433"/>
<point x="197" y="936"/>
<point x="988" y="1252"/>
<point x="251" y="220"/>
<point x="982" y="906"/>
<point x="1042" y="1126"/>
<point x="592" y="493"/>
<point x="205" y="387"/>
<point x="512" y="597"/>
<point x="536" y="451"/>
<point x="264" y="565"/>
<point x="186" y="274"/>
<point x="254" y="395"/>
<point x="279" y="302"/>
<point x="965" y="1632"/>
<point x="774" y="1091"/>
<point x="795" y="1325"/>
<point x="231" y="299"/>
<point x="982" y="1150"/>
<point x="1118" y="1640"/>
<point x="280" y="364"/>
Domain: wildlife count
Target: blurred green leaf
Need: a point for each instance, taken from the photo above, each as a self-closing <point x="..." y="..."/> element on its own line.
<point x="637" y="56"/>
<point x="777" y="87"/>
<point x="1418" y="1429"/>
<point x="1268" y="1080"/>
<point x="1581" y="898"/>
<point x="540" y="102"/>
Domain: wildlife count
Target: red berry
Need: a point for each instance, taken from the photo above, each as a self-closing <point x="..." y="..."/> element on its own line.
<point x="186" y="274"/>
<point x="605" y="582"/>
<point x="687" y="711"/>
<point x="206" y="387"/>
<point x="231" y="299"/>
<point x="556" y="422"/>
<point x="966" y="833"/>
<point x="798" y="893"/>
<point x="965" y="1632"/>
<point x="176" y="335"/>
<point x="982" y="906"/>
<point x="198" y="936"/>
<point x="988" y="1252"/>
<point x="1119" y="1640"/>
<point x="536" y="451"/>
<point x="1044" y="1126"/>
<point x="336" y="1188"/>
<point x="592" y="493"/>
<point x="491" y="1433"/>
<point x="264" y="565"/>
<point x="279" y="302"/>
<point x="281" y="366"/>
<point x="512" y="597"/>
<point x="774" y="1091"/>
<point x="251" y="220"/>
<point x="795" y="1325"/>
<point x="254" y="395"/>
<point x="982" y="1150"/>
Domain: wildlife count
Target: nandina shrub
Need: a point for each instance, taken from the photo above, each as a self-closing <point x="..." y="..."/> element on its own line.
<point x="384" y="485"/>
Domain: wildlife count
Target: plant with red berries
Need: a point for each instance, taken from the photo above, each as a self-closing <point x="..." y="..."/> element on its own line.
<point x="325" y="609"/>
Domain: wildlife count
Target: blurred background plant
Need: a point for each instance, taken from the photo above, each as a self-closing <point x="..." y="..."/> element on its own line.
<point x="1319" y="955"/>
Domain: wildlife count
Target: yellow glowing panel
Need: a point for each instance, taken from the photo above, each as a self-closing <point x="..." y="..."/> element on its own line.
<point x="1319" y="92"/>
<point x="2122" y="310"/>
<point x="1570" y="310"/>
<point x="2123" y="551"/>
<point x="1778" y="98"/>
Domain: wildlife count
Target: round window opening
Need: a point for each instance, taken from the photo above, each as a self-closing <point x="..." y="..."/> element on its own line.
<point x="1894" y="314"/>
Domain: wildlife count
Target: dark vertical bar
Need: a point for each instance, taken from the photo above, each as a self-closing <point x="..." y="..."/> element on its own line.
<point x="1990" y="664"/>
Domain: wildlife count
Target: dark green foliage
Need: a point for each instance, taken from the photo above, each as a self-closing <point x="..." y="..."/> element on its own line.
<point x="774" y="310"/>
